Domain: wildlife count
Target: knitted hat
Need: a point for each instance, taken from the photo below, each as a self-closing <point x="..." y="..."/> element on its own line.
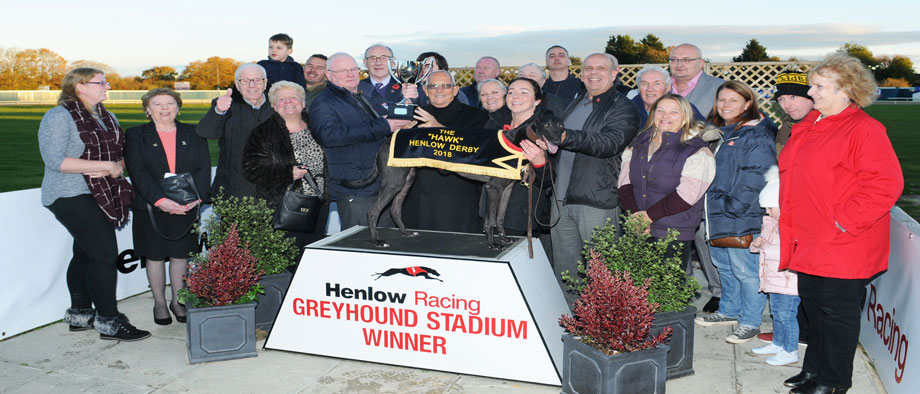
<point x="769" y="196"/>
<point x="791" y="82"/>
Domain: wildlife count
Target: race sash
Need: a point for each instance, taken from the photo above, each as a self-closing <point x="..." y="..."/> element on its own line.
<point x="471" y="151"/>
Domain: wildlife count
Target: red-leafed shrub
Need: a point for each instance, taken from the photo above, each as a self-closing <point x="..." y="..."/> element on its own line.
<point x="613" y="314"/>
<point x="227" y="275"/>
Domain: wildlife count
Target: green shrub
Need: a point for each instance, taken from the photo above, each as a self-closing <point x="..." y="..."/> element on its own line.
<point x="272" y="249"/>
<point x="643" y="257"/>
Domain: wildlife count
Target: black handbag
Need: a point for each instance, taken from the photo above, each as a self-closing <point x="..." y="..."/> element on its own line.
<point x="298" y="212"/>
<point x="181" y="189"/>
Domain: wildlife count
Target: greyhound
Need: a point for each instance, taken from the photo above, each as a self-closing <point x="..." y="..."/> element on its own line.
<point x="396" y="181"/>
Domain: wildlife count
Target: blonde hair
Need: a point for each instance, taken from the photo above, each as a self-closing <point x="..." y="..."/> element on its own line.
<point x="277" y="86"/>
<point x="70" y="81"/>
<point x="689" y="127"/>
<point x="853" y="77"/>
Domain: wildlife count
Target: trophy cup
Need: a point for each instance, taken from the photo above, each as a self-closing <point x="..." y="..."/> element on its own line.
<point x="407" y="72"/>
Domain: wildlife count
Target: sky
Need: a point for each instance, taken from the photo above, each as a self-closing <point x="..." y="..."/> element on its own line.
<point x="133" y="36"/>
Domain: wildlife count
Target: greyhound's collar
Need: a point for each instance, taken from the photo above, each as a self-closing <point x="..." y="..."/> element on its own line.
<point x="510" y="144"/>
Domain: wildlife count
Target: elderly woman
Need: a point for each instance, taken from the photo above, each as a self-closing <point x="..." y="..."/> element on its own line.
<point x="442" y="200"/>
<point x="162" y="227"/>
<point x="744" y="154"/>
<point x="282" y="151"/>
<point x="666" y="171"/>
<point x="82" y="147"/>
<point x="839" y="178"/>
<point x="654" y="82"/>
<point x="550" y="101"/>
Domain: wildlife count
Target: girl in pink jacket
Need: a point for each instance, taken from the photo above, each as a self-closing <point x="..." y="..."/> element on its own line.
<point x="782" y="286"/>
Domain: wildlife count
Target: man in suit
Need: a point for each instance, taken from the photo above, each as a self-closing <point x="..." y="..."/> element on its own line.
<point x="487" y="67"/>
<point x="686" y="64"/>
<point x="378" y="87"/>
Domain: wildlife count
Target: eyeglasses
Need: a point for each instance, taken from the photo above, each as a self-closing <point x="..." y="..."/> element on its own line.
<point x="103" y="83"/>
<point x="685" y="60"/>
<point x="247" y="81"/>
<point x="375" y="59"/>
<point x="440" y="86"/>
<point x="345" y="71"/>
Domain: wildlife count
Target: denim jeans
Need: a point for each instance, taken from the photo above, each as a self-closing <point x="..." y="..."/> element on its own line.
<point x="785" y="309"/>
<point x="741" y="296"/>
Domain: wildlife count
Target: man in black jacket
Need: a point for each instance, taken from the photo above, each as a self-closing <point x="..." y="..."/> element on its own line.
<point x="599" y="123"/>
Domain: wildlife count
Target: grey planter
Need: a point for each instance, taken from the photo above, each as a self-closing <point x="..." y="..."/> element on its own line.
<point x="680" y="356"/>
<point x="275" y="287"/>
<point x="588" y="371"/>
<point x="221" y="333"/>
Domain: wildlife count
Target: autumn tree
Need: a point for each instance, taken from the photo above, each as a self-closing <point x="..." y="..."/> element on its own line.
<point x="159" y="73"/>
<point x="105" y="68"/>
<point x="214" y="73"/>
<point x="894" y="83"/>
<point x="575" y="60"/>
<point x="31" y="68"/>
<point x="896" y="68"/>
<point x="754" y="52"/>
<point x="860" y="52"/>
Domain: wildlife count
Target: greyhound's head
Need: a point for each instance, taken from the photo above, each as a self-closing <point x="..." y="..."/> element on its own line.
<point x="547" y="128"/>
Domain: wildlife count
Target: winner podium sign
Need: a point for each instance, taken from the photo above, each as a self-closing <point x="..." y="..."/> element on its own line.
<point x="465" y="314"/>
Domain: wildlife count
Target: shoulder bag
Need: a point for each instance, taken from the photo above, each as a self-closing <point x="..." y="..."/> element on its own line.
<point x="296" y="211"/>
<point x="181" y="189"/>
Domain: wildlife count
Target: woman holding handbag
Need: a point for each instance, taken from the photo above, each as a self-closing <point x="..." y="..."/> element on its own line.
<point x="282" y="151"/>
<point x="733" y="213"/>
<point x="158" y="153"/>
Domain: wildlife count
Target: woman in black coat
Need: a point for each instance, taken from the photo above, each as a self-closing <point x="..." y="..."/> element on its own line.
<point x="281" y="151"/>
<point x="153" y="151"/>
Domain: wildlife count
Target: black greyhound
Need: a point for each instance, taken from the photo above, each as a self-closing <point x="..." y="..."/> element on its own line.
<point x="396" y="181"/>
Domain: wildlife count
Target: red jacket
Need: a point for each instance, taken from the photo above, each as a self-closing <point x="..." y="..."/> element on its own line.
<point x="840" y="171"/>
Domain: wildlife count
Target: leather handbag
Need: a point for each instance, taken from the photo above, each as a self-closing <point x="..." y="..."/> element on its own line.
<point x="739" y="242"/>
<point x="296" y="211"/>
<point x="181" y="189"/>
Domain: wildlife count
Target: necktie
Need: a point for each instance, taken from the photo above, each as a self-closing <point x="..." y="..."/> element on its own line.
<point x="380" y="90"/>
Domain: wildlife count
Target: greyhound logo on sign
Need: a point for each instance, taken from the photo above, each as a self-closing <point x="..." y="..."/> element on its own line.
<point x="410" y="271"/>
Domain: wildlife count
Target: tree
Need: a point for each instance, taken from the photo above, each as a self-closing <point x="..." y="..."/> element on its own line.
<point x="575" y="60"/>
<point x="860" y="52"/>
<point x="754" y="52"/>
<point x="623" y="48"/>
<point x="898" y="67"/>
<point x="159" y="73"/>
<point x="214" y="73"/>
<point x="108" y="70"/>
<point x="652" y="50"/>
<point x="894" y="83"/>
<point x="31" y="68"/>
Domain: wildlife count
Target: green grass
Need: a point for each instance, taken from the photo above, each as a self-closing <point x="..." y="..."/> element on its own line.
<point x="21" y="166"/>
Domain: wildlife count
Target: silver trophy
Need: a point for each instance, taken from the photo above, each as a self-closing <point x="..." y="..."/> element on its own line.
<point x="407" y="72"/>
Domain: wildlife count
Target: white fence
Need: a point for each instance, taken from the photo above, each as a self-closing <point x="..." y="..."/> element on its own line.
<point x="50" y="97"/>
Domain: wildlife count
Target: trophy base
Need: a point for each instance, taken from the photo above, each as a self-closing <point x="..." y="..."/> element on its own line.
<point x="401" y="111"/>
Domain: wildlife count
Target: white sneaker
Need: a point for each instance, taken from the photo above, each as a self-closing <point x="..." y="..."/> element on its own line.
<point x="771" y="348"/>
<point x="784" y="358"/>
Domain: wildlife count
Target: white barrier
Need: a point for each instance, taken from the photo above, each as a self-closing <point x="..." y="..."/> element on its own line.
<point x="892" y="310"/>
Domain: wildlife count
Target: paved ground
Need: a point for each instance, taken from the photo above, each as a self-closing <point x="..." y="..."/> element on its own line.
<point x="54" y="360"/>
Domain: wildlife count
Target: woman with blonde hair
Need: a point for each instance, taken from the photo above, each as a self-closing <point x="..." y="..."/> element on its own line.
<point x="82" y="147"/>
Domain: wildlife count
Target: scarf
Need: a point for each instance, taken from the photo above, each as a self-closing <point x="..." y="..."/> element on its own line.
<point x="103" y="144"/>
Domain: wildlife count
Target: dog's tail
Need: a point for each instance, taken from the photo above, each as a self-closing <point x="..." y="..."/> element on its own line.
<point x="359" y="183"/>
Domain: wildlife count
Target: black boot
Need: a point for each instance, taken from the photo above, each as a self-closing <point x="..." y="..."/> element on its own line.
<point x="80" y="319"/>
<point x="802" y="379"/>
<point x="712" y="305"/>
<point x="818" y="388"/>
<point x="118" y="328"/>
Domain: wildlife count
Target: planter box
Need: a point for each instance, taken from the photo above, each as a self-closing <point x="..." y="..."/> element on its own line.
<point x="221" y="333"/>
<point x="275" y="287"/>
<point x="680" y="356"/>
<point x="588" y="371"/>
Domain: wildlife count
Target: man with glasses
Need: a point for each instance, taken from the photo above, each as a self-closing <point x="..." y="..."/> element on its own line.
<point x="314" y="72"/>
<point x="378" y="86"/>
<point x="230" y="120"/>
<point x="350" y="129"/>
<point x="686" y="64"/>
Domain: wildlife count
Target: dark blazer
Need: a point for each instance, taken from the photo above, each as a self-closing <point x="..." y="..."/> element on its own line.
<point x="145" y="160"/>
<point x="393" y="93"/>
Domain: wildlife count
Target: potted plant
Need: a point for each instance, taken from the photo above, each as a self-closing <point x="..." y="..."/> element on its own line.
<point x="636" y="252"/>
<point x="220" y="294"/>
<point x="273" y="250"/>
<point x="611" y="348"/>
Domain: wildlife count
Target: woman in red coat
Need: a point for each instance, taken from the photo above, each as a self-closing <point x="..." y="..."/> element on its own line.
<point x="839" y="178"/>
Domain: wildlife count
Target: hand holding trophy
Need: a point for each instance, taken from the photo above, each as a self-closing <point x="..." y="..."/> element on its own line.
<point x="405" y="73"/>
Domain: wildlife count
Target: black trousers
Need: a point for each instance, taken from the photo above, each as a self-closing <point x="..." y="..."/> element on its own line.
<point x="91" y="275"/>
<point x="832" y="309"/>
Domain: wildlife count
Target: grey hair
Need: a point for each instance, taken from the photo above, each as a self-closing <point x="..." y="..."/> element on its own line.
<point x="647" y="68"/>
<point x="614" y="63"/>
<point x="245" y="66"/>
<point x="452" y="80"/>
<point x="557" y="46"/>
<point x="278" y="86"/>
<point x="378" y="45"/>
<point x="501" y="85"/>
<point x="532" y="64"/>
<point x="695" y="48"/>
<point x="497" y="64"/>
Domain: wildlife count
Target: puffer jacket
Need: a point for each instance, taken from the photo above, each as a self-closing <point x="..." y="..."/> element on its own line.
<point x="350" y="137"/>
<point x="742" y="158"/>
<point x="607" y="131"/>
<point x="772" y="280"/>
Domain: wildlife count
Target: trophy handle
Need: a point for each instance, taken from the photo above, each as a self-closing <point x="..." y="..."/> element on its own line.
<point x="393" y="64"/>
<point x="426" y="67"/>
